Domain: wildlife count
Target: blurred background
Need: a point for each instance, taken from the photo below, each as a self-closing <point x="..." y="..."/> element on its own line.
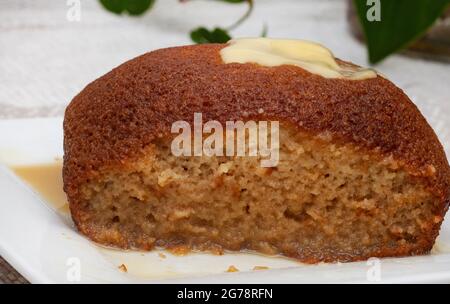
<point x="48" y="54"/>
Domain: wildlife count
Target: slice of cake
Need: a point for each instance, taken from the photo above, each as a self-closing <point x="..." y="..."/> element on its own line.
<point x="350" y="169"/>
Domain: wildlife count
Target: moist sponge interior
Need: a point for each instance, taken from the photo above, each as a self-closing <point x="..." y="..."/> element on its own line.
<point x="323" y="202"/>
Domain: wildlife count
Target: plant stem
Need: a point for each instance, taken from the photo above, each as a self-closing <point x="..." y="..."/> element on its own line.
<point x="243" y="18"/>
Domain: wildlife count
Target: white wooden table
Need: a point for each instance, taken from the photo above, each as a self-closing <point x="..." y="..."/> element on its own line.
<point x="45" y="59"/>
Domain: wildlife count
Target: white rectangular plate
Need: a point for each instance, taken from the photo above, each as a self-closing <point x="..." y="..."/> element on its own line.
<point x="43" y="245"/>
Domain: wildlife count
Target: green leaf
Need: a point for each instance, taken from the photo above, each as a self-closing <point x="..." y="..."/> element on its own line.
<point x="401" y="23"/>
<point x="132" y="7"/>
<point x="114" y="6"/>
<point x="203" y="35"/>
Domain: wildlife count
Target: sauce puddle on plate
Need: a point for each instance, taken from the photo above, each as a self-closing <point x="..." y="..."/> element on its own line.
<point x="46" y="180"/>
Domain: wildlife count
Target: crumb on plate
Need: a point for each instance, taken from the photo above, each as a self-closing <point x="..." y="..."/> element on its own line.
<point x="232" y="268"/>
<point x="123" y="268"/>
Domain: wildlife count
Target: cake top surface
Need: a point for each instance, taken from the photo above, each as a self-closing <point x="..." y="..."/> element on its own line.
<point x="115" y="117"/>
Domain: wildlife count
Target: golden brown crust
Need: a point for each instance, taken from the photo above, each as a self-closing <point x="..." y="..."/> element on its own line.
<point x="119" y="114"/>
